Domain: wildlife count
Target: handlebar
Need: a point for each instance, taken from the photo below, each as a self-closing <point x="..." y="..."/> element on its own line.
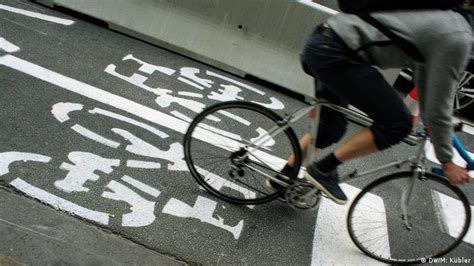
<point x="462" y="151"/>
<point x="460" y="148"/>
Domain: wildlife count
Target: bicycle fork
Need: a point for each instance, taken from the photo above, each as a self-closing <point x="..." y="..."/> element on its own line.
<point x="407" y="193"/>
<point x="405" y="202"/>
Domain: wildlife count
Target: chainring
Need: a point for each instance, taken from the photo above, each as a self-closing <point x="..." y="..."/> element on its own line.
<point x="303" y="196"/>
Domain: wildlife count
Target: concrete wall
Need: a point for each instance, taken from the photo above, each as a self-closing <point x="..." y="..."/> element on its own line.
<point x="261" y="38"/>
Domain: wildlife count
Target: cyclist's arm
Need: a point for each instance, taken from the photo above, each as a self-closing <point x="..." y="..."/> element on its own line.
<point x="437" y="84"/>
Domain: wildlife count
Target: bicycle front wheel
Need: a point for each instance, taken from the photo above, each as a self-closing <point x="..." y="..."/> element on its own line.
<point x="438" y="217"/>
<point x="230" y="152"/>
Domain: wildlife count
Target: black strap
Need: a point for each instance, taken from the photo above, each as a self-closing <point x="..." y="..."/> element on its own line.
<point x="366" y="6"/>
<point x="405" y="45"/>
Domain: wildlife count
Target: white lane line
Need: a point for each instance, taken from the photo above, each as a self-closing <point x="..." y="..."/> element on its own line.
<point x="332" y="244"/>
<point x="27" y="13"/>
<point x="8" y="46"/>
<point x="59" y="203"/>
<point x="129" y="106"/>
<point x="451" y="209"/>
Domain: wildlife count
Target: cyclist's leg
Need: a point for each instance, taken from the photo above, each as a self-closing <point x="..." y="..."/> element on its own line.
<point x="364" y="87"/>
<point x="332" y="126"/>
<point x="305" y="143"/>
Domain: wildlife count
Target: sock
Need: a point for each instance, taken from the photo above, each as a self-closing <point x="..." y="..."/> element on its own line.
<point x="287" y="171"/>
<point x="328" y="163"/>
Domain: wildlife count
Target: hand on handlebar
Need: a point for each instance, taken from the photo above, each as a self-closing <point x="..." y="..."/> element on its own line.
<point x="456" y="175"/>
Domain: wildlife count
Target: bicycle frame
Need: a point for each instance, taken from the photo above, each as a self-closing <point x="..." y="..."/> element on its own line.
<point x="353" y="115"/>
<point x="417" y="161"/>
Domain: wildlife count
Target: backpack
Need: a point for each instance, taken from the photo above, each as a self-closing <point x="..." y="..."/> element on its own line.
<point x="362" y="8"/>
<point x="365" y="6"/>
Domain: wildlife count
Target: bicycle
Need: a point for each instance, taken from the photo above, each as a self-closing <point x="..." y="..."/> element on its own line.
<point x="241" y="164"/>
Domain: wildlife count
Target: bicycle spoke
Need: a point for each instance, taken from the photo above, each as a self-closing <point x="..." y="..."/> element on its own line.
<point x="213" y="162"/>
<point x="239" y="124"/>
<point x="424" y="238"/>
<point x="260" y="190"/>
<point x="384" y="248"/>
<point x="368" y="222"/>
<point x="213" y="157"/>
<point x="371" y="211"/>
<point x="254" y="179"/>
<point x="210" y="172"/>
<point x="369" y="230"/>
<point x="267" y="167"/>
<point x="377" y="239"/>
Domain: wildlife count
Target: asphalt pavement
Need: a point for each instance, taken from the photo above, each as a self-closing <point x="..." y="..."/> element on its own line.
<point x="34" y="234"/>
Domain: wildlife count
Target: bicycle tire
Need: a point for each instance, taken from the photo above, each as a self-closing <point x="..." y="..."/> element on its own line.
<point x="253" y="111"/>
<point x="442" y="193"/>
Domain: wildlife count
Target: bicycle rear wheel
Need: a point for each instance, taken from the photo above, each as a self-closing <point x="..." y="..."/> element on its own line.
<point x="439" y="216"/>
<point x="220" y="151"/>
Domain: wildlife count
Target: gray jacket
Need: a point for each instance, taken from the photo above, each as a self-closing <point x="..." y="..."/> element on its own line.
<point x="444" y="39"/>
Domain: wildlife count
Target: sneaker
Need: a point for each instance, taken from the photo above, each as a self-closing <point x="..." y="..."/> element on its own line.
<point x="327" y="183"/>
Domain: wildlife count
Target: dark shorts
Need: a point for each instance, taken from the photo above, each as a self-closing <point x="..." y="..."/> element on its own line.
<point x="345" y="79"/>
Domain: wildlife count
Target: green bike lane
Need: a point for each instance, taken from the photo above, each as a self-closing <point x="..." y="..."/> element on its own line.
<point x="93" y="123"/>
